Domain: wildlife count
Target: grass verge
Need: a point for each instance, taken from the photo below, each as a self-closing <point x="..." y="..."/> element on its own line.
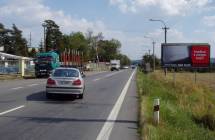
<point x="15" y="77"/>
<point x="10" y="77"/>
<point x="187" y="110"/>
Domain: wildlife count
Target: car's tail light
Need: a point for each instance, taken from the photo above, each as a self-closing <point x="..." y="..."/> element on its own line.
<point x="51" y="82"/>
<point x="77" y="82"/>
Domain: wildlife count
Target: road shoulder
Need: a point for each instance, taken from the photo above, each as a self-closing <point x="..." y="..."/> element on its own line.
<point x="126" y="125"/>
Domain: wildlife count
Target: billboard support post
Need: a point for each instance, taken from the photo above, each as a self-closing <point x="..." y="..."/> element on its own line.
<point x="165" y="70"/>
<point x="195" y="76"/>
<point x="174" y="78"/>
<point x="153" y="55"/>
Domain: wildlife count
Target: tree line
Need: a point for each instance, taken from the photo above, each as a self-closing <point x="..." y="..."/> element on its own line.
<point x="13" y="41"/>
<point x="94" y="47"/>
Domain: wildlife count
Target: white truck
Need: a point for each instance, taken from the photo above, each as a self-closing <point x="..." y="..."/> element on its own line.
<point x="115" y="65"/>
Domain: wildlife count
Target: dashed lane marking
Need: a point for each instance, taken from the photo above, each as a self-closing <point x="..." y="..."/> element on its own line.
<point x="32" y="85"/>
<point x="16" y="88"/>
<point x="96" y="79"/>
<point x="106" y="76"/>
<point x="13" y="109"/>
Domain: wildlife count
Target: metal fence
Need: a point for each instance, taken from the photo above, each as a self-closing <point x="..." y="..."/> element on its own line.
<point x="13" y="67"/>
<point x="101" y="66"/>
<point x="29" y="67"/>
<point x="9" y="67"/>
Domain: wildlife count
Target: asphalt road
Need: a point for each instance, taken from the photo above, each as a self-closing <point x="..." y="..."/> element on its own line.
<point x="108" y="110"/>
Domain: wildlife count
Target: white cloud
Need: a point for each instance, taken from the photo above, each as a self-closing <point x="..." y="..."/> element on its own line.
<point x="169" y="7"/>
<point x="209" y="21"/>
<point x="124" y="6"/>
<point x="29" y="15"/>
<point x="33" y="11"/>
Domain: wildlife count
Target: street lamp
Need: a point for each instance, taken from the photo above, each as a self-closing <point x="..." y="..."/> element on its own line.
<point x="44" y="32"/>
<point x="165" y="28"/>
<point x="96" y="47"/>
<point x="153" y="51"/>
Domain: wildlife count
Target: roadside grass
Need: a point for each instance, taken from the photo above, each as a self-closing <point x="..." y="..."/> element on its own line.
<point x="187" y="110"/>
<point x="4" y="77"/>
<point x="10" y="77"/>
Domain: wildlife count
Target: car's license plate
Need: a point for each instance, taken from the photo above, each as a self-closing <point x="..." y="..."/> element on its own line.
<point x="64" y="82"/>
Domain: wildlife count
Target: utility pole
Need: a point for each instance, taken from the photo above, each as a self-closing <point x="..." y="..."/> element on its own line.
<point x="30" y="40"/>
<point x="165" y="28"/>
<point x="153" y="51"/>
<point x="165" y="33"/>
<point x="44" y="33"/>
<point x="96" y="47"/>
<point x="42" y="47"/>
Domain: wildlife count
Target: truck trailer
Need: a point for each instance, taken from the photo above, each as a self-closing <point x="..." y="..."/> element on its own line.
<point x="46" y="62"/>
<point x="115" y="65"/>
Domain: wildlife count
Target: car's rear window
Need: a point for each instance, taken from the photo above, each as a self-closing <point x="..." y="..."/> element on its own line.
<point x="65" y="73"/>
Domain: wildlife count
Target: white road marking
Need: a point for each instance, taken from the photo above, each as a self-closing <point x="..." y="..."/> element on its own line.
<point x="13" y="109"/>
<point x="109" y="75"/>
<point x="96" y="79"/>
<point x="32" y="85"/>
<point x="100" y="72"/>
<point x="92" y="74"/>
<point x="105" y="132"/>
<point x="16" y="88"/>
<point x="106" y="76"/>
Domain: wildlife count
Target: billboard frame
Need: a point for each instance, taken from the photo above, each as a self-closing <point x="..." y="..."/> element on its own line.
<point x="189" y="45"/>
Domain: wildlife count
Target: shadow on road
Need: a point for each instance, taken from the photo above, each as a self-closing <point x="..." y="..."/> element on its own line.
<point x="63" y="120"/>
<point x="56" y="99"/>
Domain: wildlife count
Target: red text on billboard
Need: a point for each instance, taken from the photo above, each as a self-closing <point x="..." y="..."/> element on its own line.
<point x="200" y="56"/>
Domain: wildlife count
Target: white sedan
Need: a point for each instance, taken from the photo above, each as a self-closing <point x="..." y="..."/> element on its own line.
<point x="65" y="81"/>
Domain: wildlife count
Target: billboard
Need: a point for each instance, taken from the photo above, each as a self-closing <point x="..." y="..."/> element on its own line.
<point x="185" y="55"/>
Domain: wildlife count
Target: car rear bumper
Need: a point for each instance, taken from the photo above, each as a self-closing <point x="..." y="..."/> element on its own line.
<point x="64" y="90"/>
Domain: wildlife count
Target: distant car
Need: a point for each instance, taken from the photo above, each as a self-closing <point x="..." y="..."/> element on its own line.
<point x="133" y="66"/>
<point x="125" y="67"/>
<point x="65" y="81"/>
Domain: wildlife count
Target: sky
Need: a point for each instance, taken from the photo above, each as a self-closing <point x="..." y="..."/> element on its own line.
<point x="189" y="21"/>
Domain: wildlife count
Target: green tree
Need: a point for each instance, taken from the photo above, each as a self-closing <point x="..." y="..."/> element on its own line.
<point x="41" y="46"/>
<point x="149" y="59"/>
<point x="19" y="43"/>
<point x="6" y="40"/>
<point x="124" y="59"/>
<point x="108" y="49"/>
<point x="32" y="53"/>
<point x="2" y="30"/>
<point x="53" y="39"/>
<point x="78" y="42"/>
<point x="91" y="45"/>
